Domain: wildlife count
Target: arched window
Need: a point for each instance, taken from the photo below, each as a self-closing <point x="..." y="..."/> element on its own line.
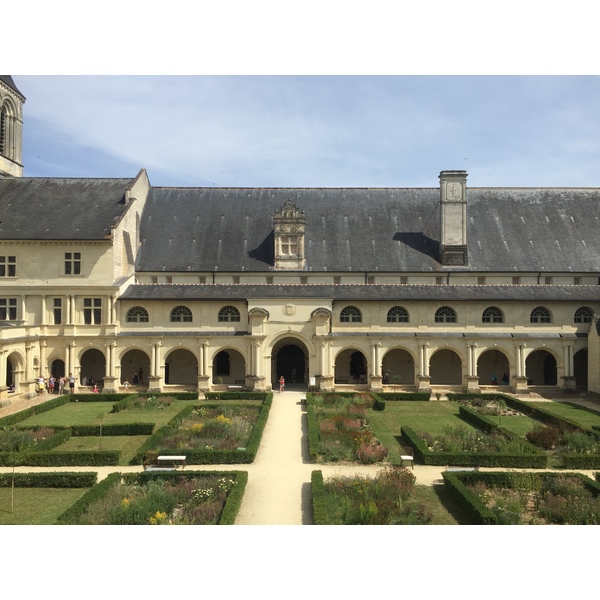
<point x="584" y="315"/>
<point x="229" y="313"/>
<point x="540" y="315"/>
<point x="350" y="314"/>
<point x="492" y="315"/>
<point x="445" y="314"/>
<point x="137" y="314"/>
<point x="397" y="314"/>
<point x="181" y="314"/>
<point x="2" y="129"/>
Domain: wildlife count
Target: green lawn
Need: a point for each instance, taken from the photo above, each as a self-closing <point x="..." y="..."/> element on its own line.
<point x="421" y="416"/>
<point x="127" y="444"/>
<point x="519" y="425"/>
<point x="36" y="506"/>
<point x="94" y="413"/>
<point x="578" y="414"/>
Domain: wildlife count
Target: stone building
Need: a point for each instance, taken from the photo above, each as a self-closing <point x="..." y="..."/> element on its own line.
<point x="447" y="287"/>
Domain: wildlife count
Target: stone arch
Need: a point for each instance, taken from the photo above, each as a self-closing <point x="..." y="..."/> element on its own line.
<point x="181" y="367"/>
<point x="580" y="368"/>
<point x="445" y="368"/>
<point x="15" y="366"/>
<point x="492" y="362"/>
<point x="229" y="367"/>
<point x="351" y="366"/>
<point x="92" y="364"/>
<point x="133" y="361"/>
<point x="541" y="368"/>
<point x="401" y="366"/>
<point x="290" y="358"/>
<point x="57" y="367"/>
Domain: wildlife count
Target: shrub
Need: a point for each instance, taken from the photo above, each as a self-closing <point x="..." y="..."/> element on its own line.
<point x="546" y="436"/>
<point x="371" y="453"/>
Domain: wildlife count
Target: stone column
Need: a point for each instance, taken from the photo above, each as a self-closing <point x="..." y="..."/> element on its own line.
<point x="520" y="379"/>
<point x="569" y="383"/>
<point x="203" y="367"/>
<point x="111" y="384"/>
<point x="376" y="383"/>
<point x="424" y="384"/>
<point x="472" y="379"/>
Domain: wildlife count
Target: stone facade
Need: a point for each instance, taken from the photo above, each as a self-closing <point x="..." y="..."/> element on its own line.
<point x="202" y="289"/>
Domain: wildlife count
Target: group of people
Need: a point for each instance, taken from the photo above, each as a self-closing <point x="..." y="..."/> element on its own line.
<point x="56" y="385"/>
<point x="504" y="379"/>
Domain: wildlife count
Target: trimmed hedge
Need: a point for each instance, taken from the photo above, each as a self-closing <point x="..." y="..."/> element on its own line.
<point x="404" y="396"/>
<point x="95" y="397"/>
<point x="175" y="395"/>
<point x="113" y="429"/>
<point x="96" y="458"/>
<point x="313" y="428"/>
<point x="151" y="448"/>
<point x="318" y="495"/>
<point x="475" y="510"/>
<point x="236" y="395"/>
<point x="535" y="460"/>
<point x="49" y="480"/>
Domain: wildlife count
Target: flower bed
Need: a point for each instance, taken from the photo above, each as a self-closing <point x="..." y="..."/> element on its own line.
<point x="528" y="498"/>
<point x="386" y="499"/>
<point x="161" y="499"/>
<point x="339" y="429"/>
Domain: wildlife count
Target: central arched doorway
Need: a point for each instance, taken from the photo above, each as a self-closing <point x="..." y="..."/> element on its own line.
<point x="290" y="359"/>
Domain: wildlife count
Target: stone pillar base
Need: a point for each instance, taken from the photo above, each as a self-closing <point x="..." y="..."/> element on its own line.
<point x="569" y="384"/>
<point x="255" y="383"/>
<point x="326" y="383"/>
<point x="424" y="384"/>
<point x="111" y="385"/>
<point x="521" y="386"/>
<point x="204" y="383"/>
<point x="155" y="384"/>
<point x="472" y="384"/>
<point x="376" y="384"/>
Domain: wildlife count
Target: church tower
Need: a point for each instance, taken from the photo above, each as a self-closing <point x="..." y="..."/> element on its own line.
<point x="289" y="223"/>
<point x="11" y="128"/>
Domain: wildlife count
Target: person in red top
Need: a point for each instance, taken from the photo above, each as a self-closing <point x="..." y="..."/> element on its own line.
<point x="281" y="384"/>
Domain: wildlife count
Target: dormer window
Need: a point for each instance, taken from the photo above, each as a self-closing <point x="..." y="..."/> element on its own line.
<point x="289" y="225"/>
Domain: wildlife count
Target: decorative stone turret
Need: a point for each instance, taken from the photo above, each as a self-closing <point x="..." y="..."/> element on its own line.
<point x="11" y="128"/>
<point x="453" y="215"/>
<point x="289" y="223"/>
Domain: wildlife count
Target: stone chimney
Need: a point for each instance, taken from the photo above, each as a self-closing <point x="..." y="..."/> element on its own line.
<point x="453" y="218"/>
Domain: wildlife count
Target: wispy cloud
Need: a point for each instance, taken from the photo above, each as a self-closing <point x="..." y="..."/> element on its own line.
<point x="315" y="131"/>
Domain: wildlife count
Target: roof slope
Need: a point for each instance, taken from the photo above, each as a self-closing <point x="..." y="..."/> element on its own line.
<point x="60" y="209"/>
<point x="8" y="80"/>
<point x="369" y="229"/>
<point x="396" y="293"/>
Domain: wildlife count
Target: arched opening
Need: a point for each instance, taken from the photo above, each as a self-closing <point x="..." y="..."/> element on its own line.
<point x="10" y="378"/>
<point x="350" y="367"/>
<point x="290" y="359"/>
<point x="540" y="368"/>
<point x="398" y="368"/>
<point x="135" y="367"/>
<point x="580" y="368"/>
<point x="492" y="368"/>
<point x="181" y="368"/>
<point x="229" y="367"/>
<point x="57" y="368"/>
<point x="93" y="367"/>
<point x="445" y="368"/>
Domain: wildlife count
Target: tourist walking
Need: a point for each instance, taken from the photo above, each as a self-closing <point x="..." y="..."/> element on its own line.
<point x="281" y="384"/>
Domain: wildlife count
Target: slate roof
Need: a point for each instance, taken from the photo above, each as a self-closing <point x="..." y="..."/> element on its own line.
<point x="34" y="208"/>
<point x="370" y="229"/>
<point x="351" y="293"/>
<point x="8" y="80"/>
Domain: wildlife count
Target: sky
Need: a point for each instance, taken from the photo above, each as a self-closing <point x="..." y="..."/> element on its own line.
<point x="315" y="131"/>
<point x="265" y="96"/>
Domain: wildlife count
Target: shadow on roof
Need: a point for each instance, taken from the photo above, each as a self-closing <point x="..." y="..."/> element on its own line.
<point x="420" y="242"/>
<point x="264" y="251"/>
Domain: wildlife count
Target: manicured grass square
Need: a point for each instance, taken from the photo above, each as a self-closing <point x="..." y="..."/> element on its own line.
<point x="127" y="444"/>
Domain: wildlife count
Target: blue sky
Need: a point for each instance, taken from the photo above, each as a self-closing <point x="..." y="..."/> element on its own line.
<point x="339" y="131"/>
